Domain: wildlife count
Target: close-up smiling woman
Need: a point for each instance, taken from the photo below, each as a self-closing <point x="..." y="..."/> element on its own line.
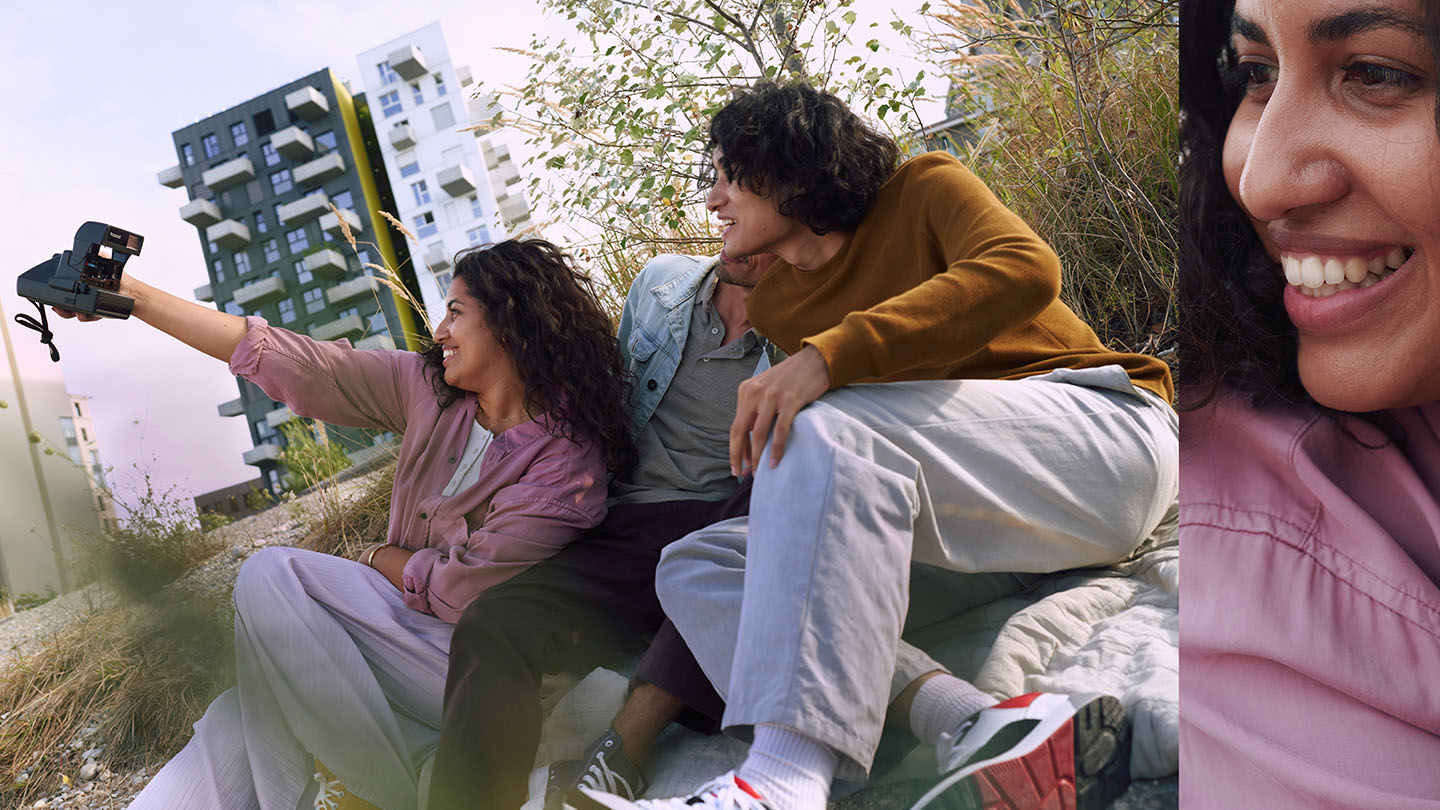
<point x="1310" y="454"/>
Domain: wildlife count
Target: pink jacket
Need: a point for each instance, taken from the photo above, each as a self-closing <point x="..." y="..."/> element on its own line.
<point x="536" y="492"/>
<point x="1310" y="632"/>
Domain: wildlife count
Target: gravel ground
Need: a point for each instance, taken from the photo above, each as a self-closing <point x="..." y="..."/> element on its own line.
<point x="94" y="786"/>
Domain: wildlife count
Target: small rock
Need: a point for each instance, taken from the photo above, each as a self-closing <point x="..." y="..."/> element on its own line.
<point x="237" y="553"/>
<point x="92" y="753"/>
<point x="137" y="779"/>
<point x="89" y="769"/>
<point x="40" y="803"/>
<point x="88" y="730"/>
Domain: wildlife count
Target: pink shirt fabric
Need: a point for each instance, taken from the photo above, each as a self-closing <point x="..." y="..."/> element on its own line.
<point x="1310" y="632"/>
<point x="536" y="492"/>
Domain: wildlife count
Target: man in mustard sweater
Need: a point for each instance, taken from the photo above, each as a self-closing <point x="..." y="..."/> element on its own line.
<point x="939" y="405"/>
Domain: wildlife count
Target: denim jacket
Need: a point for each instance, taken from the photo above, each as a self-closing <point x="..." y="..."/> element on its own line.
<point x="655" y="324"/>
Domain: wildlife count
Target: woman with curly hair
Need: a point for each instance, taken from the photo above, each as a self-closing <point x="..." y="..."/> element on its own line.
<point x="1310" y="644"/>
<point x="510" y="422"/>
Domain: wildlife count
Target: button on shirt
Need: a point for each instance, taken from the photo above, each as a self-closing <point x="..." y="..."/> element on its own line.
<point x="684" y="448"/>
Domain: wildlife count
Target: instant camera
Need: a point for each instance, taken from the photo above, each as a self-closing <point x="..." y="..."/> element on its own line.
<point x="83" y="279"/>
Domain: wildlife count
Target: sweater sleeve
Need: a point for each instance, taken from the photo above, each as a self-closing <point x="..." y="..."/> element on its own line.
<point x="559" y="496"/>
<point x="997" y="276"/>
<point x="330" y="381"/>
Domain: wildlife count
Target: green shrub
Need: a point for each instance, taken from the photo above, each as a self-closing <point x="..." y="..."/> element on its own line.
<point x="158" y="541"/>
<point x="307" y="461"/>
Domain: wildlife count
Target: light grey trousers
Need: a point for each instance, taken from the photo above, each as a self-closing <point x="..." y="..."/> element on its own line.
<point x="795" y="612"/>
<point x="331" y="665"/>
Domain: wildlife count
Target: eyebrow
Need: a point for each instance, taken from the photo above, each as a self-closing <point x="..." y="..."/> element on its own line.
<point x="1337" y="27"/>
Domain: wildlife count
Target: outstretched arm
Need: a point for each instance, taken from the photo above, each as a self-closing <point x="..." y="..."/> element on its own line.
<point x="211" y="331"/>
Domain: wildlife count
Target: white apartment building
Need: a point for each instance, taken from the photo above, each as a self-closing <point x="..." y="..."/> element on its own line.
<point x="453" y="188"/>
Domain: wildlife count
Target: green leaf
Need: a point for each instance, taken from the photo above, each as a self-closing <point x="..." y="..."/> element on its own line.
<point x="849" y="17"/>
<point x="873" y="45"/>
<point x="557" y="162"/>
<point x="668" y="192"/>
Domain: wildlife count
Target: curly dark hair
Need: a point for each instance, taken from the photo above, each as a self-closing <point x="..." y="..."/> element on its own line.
<point x="1235" y="332"/>
<point x="544" y="312"/>
<point x="806" y="151"/>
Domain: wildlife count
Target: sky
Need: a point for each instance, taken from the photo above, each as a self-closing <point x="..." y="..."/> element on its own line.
<point x="91" y="94"/>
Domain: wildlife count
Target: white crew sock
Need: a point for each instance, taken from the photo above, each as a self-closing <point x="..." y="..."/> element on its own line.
<point x="942" y="704"/>
<point x="790" y="770"/>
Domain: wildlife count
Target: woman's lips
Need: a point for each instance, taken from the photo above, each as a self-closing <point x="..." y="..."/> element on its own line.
<point x="1330" y="305"/>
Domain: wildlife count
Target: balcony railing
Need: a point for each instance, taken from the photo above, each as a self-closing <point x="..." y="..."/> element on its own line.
<point x="376" y="342"/>
<point x="304" y="209"/>
<point x="261" y="453"/>
<point x="437" y="258"/>
<point x="204" y="293"/>
<point x="279" y="416"/>
<point x="402" y="136"/>
<point x="325" y="167"/>
<point x="171" y="177"/>
<point x="457" y="180"/>
<point x="231" y="234"/>
<point x="330" y="224"/>
<point x="293" y="143"/>
<point x="350" y="326"/>
<point x="409" y="62"/>
<point x="257" y="293"/>
<point x="327" y="263"/>
<point x="231" y="407"/>
<point x="354" y="288"/>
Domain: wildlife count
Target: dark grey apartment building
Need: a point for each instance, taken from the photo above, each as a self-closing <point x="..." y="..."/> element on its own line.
<point x="261" y="177"/>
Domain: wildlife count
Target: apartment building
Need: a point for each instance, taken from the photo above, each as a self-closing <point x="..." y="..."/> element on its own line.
<point x="454" y="187"/>
<point x="261" y="178"/>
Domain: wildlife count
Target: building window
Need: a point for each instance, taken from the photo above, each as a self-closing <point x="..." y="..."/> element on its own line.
<point x="264" y="123"/>
<point x="301" y="274"/>
<point x="260" y="225"/>
<point x="211" y="144"/>
<point x="444" y="116"/>
<point x="378" y="325"/>
<point x="287" y="310"/>
<point x="419" y="94"/>
<point x="238" y="133"/>
<point x="280" y="181"/>
<point x="299" y="242"/>
<point x="272" y="157"/>
<point x="439" y="84"/>
<point x="425" y="225"/>
<point x="187" y="154"/>
<point x="314" y="299"/>
<point x="444" y="279"/>
<point x="409" y="169"/>
<point x="345" y="313"/>
<point x="272" y="251"/>
<point x="214" y="248"/>
<point x="219" y="268"/>
<point x="242" y="263"/>
<point x="234" y="308"/>
<point x="263" y="430"/>
<point x="421" y="191"/>
<point x="344" y="199"/>
<point x="235" y="197"/>
<point x="475" y="210"/>
<point x="478" y="236"/>
<point x="363" y="255"/>
<point x="387" y="73"/>
<point x="326" y="139"/>
<point x="390" y="103"/>
<point x="67" y="427"/>
<point x="279" y="220"/>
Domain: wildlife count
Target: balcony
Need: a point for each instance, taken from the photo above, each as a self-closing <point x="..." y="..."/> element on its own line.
<point x="437" y="258"/>
<point x="308" y="103"/>
<point x="234" y="407"/>
<point x="494" y="155"/>
<point x="231" y="234"/>
<point x="463" y="74"/>
<point x="304" y="209"/>
<point x="171" y="177"/>
<point x="513" y="207"/>
<point x="201" y="213"/>
<point x="402" y="136"/>
<point x="257" y="293"/>
<point x="506" y="174"/>
<point x="354" y="288"/>
<point x="325" y="167"/>
<point x="279" y="416"/>
<point x="456" y="180"/>
<point x="376" y="342"/>
<point x="262" y="453"/>
<point x="408" y="62"/>
<point x="229" y="173"/>
<point x="326" y="263"/>
<point x="350" y="326"/>
<point x="293" y="143"/>
<point x="330" y="224"/>
<point x="204" y="293"/>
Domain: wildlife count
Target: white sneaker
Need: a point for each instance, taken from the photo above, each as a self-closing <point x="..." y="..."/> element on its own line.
<point x="1035" y="751"/>
<point x="728" y="792"/>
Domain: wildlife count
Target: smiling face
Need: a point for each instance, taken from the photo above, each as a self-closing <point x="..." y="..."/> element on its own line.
<point x="752" y="223"/>
<point x="1334" y="155"/>
<point x="473" y="359"/>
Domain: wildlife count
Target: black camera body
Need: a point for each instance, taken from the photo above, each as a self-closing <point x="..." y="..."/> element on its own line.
<point x="85" y="278"/>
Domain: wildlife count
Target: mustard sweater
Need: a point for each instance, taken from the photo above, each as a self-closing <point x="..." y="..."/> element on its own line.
<point x="940" y="281"/>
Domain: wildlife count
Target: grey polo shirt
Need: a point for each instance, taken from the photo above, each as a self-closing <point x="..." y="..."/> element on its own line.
<point x="685" y="447"/>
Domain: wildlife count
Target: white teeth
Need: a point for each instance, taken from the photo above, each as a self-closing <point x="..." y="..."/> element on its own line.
<point x="1355" y="270"/>
<point x="1312" y="271"/>
<point x="1395" y="257"/>
<point x="1376" y="265"/>
<point x="1292" y="270"/>
<point x="1334" y="271"/>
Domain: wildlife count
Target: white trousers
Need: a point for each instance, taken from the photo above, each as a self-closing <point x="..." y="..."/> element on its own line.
<point x="331" y="665"/>
<point x="795" y="612"/>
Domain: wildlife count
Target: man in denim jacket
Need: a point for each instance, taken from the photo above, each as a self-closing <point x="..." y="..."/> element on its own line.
<point x="686" y="336"/>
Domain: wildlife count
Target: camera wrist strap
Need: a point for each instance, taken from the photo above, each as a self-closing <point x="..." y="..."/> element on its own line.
<point x="43" y="327"/>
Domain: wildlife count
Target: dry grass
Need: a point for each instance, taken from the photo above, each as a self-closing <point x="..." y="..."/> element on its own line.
<point x="344" y="524"/>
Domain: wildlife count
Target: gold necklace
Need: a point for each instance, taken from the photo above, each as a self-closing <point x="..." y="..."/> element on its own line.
<point x="498" y="422"/>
